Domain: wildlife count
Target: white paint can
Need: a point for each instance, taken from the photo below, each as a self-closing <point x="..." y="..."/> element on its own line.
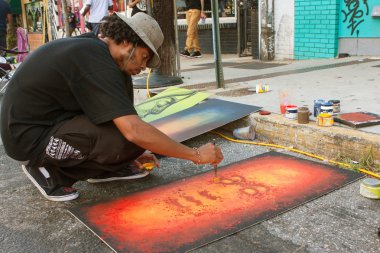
<point x="370" y="188"/>
<point x="291" y="112"/>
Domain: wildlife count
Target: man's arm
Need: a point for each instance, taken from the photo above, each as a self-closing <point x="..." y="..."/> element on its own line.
<point x="203" y="15"/>
<point x="132" y="3"/>
<point x="110" y="5"/>
<point x="148" y="137"/>
<point x="86" y="9"/>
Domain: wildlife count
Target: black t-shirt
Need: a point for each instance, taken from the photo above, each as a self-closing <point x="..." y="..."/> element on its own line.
<point x="58" y="81"/>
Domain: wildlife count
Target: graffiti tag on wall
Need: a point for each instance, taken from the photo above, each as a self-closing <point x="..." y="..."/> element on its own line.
<point x="354" y="14"/>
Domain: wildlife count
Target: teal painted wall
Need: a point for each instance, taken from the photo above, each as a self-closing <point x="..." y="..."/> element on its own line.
<point x="355" y="19"/>
<point x="316" y="29"/>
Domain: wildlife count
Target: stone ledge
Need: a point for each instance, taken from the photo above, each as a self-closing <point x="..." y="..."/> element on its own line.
<point x="327" y="142"/>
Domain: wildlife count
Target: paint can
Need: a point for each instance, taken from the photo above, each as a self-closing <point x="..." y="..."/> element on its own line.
<point x="327" y="107"/>
<point x="325" y="119"/>
<point x="283" y="108"/>
<point x="284" y="101"/>
<point x="370" y="188"/>
<point x="262" y="88"/>
<point x="244" y="133"/>
<point x="336" y="105"/>
<point x="303" y="115"/>
<point x="317" y="106"/>
<point x="291" y="112"/>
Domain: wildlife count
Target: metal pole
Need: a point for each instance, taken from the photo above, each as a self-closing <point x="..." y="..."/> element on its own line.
<point x="149" y="4"/>
<point x="157" y="79"/>
<point x="178" y="70"/>
<point x="216" y="44"/>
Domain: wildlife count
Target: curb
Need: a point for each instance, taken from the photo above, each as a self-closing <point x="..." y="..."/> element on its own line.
<point x="328" y="142"/>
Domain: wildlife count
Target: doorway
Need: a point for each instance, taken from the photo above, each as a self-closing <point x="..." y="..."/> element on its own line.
<point x="248" y="28"/>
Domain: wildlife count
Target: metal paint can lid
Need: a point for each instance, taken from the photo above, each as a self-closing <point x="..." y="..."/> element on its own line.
<point x="370" y="188"/>
<point x="334" y="101"/>
<point x="327" y="103"/>
<point x="319" y="101"/>
<point x="372" y="182"/>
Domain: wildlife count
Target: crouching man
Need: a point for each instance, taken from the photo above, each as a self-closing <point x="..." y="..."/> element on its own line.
<point x="68" y="112"/>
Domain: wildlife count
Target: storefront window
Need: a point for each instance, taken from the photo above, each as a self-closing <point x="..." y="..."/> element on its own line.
<point x="227" y="9"/>
<point x="33" y="13"/>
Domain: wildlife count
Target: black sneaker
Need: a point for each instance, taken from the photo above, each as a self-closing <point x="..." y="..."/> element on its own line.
<point x="185" y="53"/>
<point x="196" y="54"/>
<point x="130" y="172"/>
<point x="40" y="177"/>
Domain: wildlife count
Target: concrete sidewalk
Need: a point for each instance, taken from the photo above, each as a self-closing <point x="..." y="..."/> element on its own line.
<point x="355" y="81"/>
<point x="341" y="221"/>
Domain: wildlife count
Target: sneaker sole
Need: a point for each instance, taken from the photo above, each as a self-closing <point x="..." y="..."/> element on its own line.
<point x="55" y="198"/>
<point x="140" y="175"/>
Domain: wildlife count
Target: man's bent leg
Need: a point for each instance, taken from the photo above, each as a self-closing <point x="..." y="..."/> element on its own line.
<point x="84" y="150"/>
<point x="79" y="150"/>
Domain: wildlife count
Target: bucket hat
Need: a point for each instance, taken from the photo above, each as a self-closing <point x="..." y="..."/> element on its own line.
<point x="149" y="31"/>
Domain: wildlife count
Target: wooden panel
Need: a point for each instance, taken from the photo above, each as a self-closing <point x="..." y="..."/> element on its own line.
<point x="35" y="40"/>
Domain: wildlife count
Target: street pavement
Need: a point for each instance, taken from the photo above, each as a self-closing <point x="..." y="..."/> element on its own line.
<point x="341" y="221"/>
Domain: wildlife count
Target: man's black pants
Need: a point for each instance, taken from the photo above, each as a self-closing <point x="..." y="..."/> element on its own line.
<point x="79" y="150"/>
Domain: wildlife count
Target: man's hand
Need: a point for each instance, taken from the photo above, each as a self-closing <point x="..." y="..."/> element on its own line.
<point x="132" y="3"/>
<point x="150" y="138"/>
<point x="203" y="15"/>
<point x="210" y="154"/>
<point x="147" y="158"/>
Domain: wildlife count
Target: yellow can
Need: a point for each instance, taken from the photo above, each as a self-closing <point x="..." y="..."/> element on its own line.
<point x="262" y="88"/>
<point x="325" y="119"/>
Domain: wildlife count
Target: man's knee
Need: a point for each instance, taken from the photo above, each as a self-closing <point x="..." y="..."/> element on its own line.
<point x="102" y="143"/>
